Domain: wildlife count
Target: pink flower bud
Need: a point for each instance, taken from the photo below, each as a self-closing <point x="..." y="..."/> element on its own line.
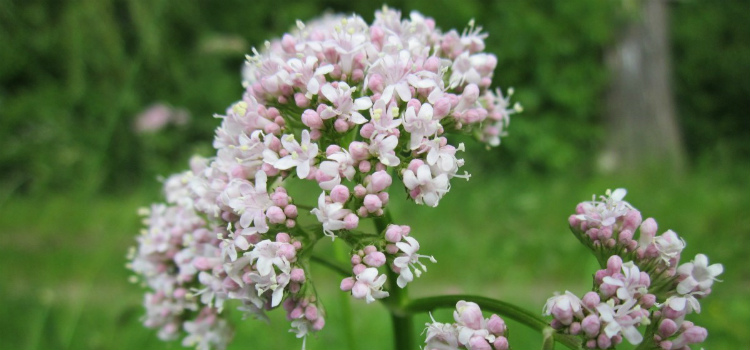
<point x="478" y="342"/>
<point x="332" y="149"/>
<point x="290" y="223"/>
<point x="367" y="130"/>
<point x="362" y="211"/>
<point x="312" y="119"/>
<point x="380" y="181"/>
<point x="603" y="341"/>
<point x="179" y="293"/>
<point x="384" y="197"/>
<point x="667" y="328"/>
<point x="375" y="259"/>
<point x="358" y="269"/>
<point x="275" y="215"/>
<point x="341" y="125"/>
<point x="283" y="237"/>
<point x="648" y="231"/>
<point x="614" y="264"/>
<point x="359" y="150"/>
<point x="691" y="335"/>
<point x="351" y="221"/>
<point x="269" y="169"/>
<point x="590" y="325"/>
<point x="360" y="191"/>
<point x="632" y="220"/>
<point x="393" y="234"/>
<point x="442" y="108"/>
<point x="432" y="64"/>
<point x="311" y="312"/>
<point x="590" y="300"/>
<point x="280" y="199"/>
<point x="290" y="211"/>
<point x="415" y="164"/>
<point x="297" y="275"/>
<point x="294" y="287"/>
<point x="287" y="251"/>
<point x="501" y="343"/>
<point x="496" y="325"/>
<point x="272" y="128"/>
<point x="575" y="328"/>
<point x="347" y="284"/>
<point x="319" y="324"/>
<point x="296" y="313"/>
<point x="666" y="345"/>
<point x="468" y="314"/>
<point x="340" y="194"/>
<point x="648" y="300"/>
<point x="391" y="249"/>
<point x="375" y="82"/>
<point x="372" y="203"/>
<point x="625" y="236"/>
<point x="364" y="166"/>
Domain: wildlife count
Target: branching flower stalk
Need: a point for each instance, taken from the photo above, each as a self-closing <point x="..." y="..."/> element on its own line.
<point x="350" y="106"/>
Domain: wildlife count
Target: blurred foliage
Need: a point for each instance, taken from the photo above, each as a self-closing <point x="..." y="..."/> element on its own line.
<point x="74" y="75"/>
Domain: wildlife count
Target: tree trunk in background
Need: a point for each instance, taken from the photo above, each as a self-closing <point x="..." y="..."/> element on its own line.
<point x="642" y="128"/>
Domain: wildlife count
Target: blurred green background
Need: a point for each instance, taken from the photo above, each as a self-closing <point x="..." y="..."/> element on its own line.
<point x="74" y="75"/>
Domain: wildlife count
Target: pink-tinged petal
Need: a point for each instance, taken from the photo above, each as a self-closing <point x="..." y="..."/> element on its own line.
<point x="329" y="92"/>
<point x="303" y="169"/>
<point x="322" y="70"/>
<point x="305" y="137"/>
<point x="260" y="181"/>
<point x="677" y="304"/>
<point x="423" y="174"/>
<point x="685" y="269"/>
<point x="686" y="285"/>
<point x="285" y="163"/>
<point x="425" y="112"/>
<point x="632" y="335"/>
<point x="716" y="269"/>
<point x="410" y="181"/>
<point x="404" y="277"/>
<point x="387" y="93"/>
<point x="619" y="194"/>
<point x="431" y="199"/>
<point x="362" y="103"/>
<point x="415" y="141"/>
<point x="313" y="86"/>
<point x="403" y="91"/>
<point x="357" y="118"/>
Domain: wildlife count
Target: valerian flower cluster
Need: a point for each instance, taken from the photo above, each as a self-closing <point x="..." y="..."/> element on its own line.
<point x="642" y="282"/>
<point x="343" y="104"/>
<point x="471" y="331"/>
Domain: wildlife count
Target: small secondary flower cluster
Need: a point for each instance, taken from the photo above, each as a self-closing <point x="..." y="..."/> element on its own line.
<point x="344" y="104"/>
<point x="651" y="288"/>
<point x="471" y="331"/>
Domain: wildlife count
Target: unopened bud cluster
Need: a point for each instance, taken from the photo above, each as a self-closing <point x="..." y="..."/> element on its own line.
<point x="641" y="283"/>
<point x="341" y="103"/>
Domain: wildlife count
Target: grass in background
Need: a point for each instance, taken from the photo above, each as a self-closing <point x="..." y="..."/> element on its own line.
<point x="504" y="236"/>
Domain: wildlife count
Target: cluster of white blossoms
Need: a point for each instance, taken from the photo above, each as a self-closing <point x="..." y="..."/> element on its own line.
<point x="344" y="104"/>
<point x="651" y="288"/>
<point x="471" y="331"/>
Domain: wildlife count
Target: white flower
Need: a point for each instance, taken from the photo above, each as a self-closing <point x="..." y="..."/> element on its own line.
<point x="331" y="215"/>
<point x="250" y="202"/>
<point x="620" y="319"/>
<point x="420" y="125"/>
<point x="369" y="285"/>
<point x="630" y="284"/>
<point x="424" y="188"/>
<point x="301" y="155"/>
<point x="383" y="146"/>
<point x="698" y="274"/>
<point x="608" y="210"/>
<point x="409" y="260"/>
<point x="563" y="307"/>
<point x="669" y="245"/>
<point x="345" y="108"/>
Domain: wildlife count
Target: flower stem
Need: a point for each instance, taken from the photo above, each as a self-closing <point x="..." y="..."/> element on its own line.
<point x="503" y="308"/>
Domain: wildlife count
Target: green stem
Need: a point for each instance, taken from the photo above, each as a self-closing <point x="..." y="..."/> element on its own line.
<point x="331" y="265"/>
<point x="403" y="323"/>
<point x="505" y="309"/>
<point x="339" y="251"/>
